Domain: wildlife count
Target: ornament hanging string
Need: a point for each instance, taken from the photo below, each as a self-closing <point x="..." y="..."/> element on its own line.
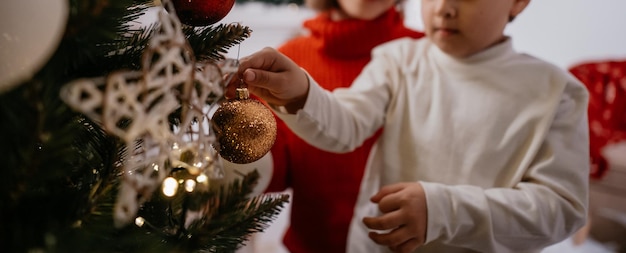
<point x="241" y="83"/>
<point x="242" y="89"/>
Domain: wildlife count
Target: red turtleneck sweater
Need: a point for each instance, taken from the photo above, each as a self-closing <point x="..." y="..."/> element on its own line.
<point x="325" y="185"/>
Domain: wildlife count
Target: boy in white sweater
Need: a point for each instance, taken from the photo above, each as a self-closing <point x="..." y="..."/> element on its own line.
<point x="484" y="149"/>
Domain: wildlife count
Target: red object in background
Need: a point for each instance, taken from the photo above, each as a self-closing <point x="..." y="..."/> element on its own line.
<point x="202" y="12"/>
<point x="606" y="82"/>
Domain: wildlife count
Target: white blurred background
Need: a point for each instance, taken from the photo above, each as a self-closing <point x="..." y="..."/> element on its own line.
<point x="564" y="32"/>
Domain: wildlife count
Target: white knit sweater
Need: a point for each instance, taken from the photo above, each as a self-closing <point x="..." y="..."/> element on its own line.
<point x="499" y="141"/>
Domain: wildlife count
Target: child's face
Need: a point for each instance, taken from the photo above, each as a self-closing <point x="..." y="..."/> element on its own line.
<point x="464" y="27"/>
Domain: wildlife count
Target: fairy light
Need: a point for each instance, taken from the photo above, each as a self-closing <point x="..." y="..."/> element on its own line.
<point x="139" y="221"/>
<point x="190" y="185"/>
<point x="170" y="186"/>
<point x="202" y="178"/>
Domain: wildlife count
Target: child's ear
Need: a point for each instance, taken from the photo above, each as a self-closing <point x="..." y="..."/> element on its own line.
<point x="518" y="7"/>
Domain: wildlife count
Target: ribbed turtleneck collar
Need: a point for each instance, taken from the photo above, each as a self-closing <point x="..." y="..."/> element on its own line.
<point x="353" y="37"/>
<point x="495" y="52"/>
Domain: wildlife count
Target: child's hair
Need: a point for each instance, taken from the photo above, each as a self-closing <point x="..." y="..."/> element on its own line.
<point x="321" y="5"/>
<point x="324" y="5"/>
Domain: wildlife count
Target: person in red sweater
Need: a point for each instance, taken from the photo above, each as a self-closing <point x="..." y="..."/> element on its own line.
<point x="325" y="185"/>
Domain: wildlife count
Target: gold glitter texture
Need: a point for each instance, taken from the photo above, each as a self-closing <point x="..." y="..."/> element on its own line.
<point x="245" y="129"/>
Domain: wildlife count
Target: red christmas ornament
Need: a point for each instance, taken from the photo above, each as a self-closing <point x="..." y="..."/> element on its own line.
<point x="202" y="12"/>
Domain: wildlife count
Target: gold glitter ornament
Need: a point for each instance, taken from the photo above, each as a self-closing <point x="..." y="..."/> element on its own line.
<point x="245" y="128"/>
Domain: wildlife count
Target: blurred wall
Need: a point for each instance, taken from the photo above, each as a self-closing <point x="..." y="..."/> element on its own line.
<point x="564" y="32"/>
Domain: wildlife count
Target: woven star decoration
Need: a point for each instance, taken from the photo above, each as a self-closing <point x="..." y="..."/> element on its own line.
<point x="135" y="106"/>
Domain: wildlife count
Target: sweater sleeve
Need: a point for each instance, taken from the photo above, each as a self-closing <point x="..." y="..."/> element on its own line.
<point x="549" y="203"/>
<point x="355" y="116"/>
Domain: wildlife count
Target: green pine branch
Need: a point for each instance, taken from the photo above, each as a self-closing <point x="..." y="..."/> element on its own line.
<point x="211" y="43"/>
<point x="226" y="227"/>
<point x="52" y="156"/>
<point x="237" y="216"/>
<point x="61" y="171"/>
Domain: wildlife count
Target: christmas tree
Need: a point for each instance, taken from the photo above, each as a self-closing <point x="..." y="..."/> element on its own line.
<point x="108" y="147"/>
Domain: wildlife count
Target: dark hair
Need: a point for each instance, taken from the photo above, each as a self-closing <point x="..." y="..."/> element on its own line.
<point x="321" y="5"/>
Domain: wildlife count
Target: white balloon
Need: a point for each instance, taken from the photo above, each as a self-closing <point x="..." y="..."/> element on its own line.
<point x="30" y="32"/>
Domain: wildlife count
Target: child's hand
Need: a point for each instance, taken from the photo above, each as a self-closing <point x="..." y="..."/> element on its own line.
<point x="275" y="78"/>
<point x="404" y="213"/>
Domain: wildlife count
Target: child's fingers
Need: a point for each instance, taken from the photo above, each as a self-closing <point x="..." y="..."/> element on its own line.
<point x="384" y="222"/>
<point x="267" y="58"/>
<point x="260" y="78"/>
<point x="274" y="77"/>
<point x="266" y="95"/>
<point x="386" y="190"/>
<point x="399" y="240"/>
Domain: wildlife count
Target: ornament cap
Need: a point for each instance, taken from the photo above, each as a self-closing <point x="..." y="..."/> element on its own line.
<point x="242" y="93"/>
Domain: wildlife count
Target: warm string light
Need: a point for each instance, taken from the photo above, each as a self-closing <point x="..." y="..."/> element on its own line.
<point x="140" y="221"/>
<point x="155" y="167"/>
<point x="190" y="185"/>
<point x="170" y="186"/>
<point x="193" y="159"/>
<point x="202" y="179"/>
